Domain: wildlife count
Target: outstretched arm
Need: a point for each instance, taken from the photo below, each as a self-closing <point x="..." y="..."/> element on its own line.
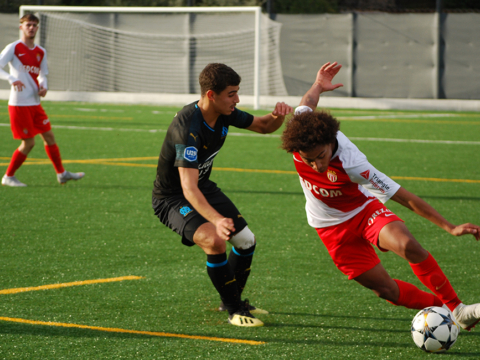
<point x="422" y="208"/>
<point x="322" y="83"/>
<point x="269" y="123"/>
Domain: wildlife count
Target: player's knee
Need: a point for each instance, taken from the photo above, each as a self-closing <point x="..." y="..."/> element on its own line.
<point x="387" y="292"/>
<point x="413" y="251"/>
<point x="218" y="245"/>
<point x="27" y="145"/>
<point x="207" y="238"/>
<point x="244" y="239"/>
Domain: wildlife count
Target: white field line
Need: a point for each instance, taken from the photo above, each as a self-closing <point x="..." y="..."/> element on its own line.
<point x="421" y="141"/>
<point x="395" y="116"/>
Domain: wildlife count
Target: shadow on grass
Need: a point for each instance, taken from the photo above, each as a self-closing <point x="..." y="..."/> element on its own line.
<point x="47" y="331"/>
<point x="43" y="330"/>
<point x="342" y="316"/>
<point x="58" y="331"/>
<point x="326" y="326"/>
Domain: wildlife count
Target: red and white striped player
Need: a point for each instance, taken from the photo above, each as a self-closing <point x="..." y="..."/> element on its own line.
<point x="28" y="70"/>
<point x="345" y="196"/>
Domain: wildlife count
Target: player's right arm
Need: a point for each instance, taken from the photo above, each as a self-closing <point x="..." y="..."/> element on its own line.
<point x="5" y="57"/>
<point x="189" y="181"/>
<point x="323" y="82"/>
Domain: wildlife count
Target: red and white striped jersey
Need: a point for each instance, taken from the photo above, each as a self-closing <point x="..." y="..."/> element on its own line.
<point x="27" y="65"/>
<point x="348" y="185"/>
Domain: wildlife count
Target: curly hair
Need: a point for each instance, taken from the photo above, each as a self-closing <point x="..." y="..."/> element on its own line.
<point x="217" y="77"/>
<point x="307" y="130"/>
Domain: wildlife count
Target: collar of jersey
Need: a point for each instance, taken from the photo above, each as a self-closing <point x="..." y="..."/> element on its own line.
<point x="196" y="105"/>
<point x="208" y="126"/>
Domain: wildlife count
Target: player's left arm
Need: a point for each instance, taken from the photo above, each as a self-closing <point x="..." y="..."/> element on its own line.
<point x="422" y="208"/>
<point x="42" y="77"/>
<point x="323" y="83"/>
<point x="271" y="122"/>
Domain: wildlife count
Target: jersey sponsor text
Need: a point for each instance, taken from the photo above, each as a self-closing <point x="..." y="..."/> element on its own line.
<point x="321" y="191"/>
<point x="379" y="212"/>
<point x="378" y="184"/>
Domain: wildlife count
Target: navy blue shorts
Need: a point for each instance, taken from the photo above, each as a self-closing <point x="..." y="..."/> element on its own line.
<point x="176" y="213"/>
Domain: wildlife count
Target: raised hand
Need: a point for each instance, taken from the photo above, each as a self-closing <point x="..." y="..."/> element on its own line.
<point x="325" y="76"/>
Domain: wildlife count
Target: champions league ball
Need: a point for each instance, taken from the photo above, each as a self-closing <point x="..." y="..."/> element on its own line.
<point x="434" y="329"/>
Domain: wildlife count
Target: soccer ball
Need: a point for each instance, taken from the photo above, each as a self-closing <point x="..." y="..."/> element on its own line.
<point x="434" y="329"/>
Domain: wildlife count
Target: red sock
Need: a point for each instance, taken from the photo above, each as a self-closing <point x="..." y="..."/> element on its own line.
<point x="413" y="298"/>
<point x="53" y="153"/>
<point x="17" y="160"/>
<point x="433" y="278"/>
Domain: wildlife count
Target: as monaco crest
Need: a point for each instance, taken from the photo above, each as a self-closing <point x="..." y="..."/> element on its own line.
<point x="332" y="175"/>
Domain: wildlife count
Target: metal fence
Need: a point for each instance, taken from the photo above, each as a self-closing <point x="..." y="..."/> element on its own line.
<point x="384" y="55"/>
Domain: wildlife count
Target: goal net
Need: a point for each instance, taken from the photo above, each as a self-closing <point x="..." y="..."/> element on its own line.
<point x="158" y="50"/>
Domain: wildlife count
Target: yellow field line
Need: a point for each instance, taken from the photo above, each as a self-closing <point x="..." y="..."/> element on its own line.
<point x="256" y="171"/>
<point x="75" y="283"/>
<point x="125" y="331"/>
<point x="131" y="159"/>
<point x="126" y="164"/>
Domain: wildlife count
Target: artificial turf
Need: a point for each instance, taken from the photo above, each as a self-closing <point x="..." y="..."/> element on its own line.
<point x="103" y="227"/>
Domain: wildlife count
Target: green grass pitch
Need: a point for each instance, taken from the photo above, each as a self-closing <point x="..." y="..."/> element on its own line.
<point x="103" y="227"/>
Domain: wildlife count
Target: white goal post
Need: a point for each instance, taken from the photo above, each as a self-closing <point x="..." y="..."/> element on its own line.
<point x="155" y="54"/>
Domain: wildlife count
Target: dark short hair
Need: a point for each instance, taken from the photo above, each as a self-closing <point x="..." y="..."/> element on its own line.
<point x="217" y="77"/>
<point x="307" y="130"/>
<point x="29" y="17"/>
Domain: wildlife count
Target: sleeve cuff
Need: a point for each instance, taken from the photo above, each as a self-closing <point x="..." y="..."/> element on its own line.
<point x="301" y="109"/>
<point x="11" y="79"/>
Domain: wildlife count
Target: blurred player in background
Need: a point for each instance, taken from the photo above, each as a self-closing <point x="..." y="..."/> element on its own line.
<point x="345" y="196"/>
<point x="28" y="70"/>
<point x="189" y="203"/>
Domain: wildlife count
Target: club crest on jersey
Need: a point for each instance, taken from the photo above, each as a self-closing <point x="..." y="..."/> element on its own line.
<point x="185" y="211"/>
<point x="190" y="153"/>
<point x="38" y="57"/>
<point x="332" y="175"/>
<point x="224" y="132"/>
<point x="366" y="174"/>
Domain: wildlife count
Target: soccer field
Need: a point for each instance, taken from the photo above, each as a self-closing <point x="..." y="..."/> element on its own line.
<point x="87" y="271"/>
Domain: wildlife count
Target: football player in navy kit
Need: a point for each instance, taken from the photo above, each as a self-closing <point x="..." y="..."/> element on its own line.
<point x="189" y="203"/>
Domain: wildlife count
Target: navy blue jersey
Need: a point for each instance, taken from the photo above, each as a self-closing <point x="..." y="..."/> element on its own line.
<point x="191" y="143"/>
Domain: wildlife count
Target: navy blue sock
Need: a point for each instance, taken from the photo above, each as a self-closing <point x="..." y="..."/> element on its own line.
<point x="223" y="278"/>
<point x="240" y="260"/>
